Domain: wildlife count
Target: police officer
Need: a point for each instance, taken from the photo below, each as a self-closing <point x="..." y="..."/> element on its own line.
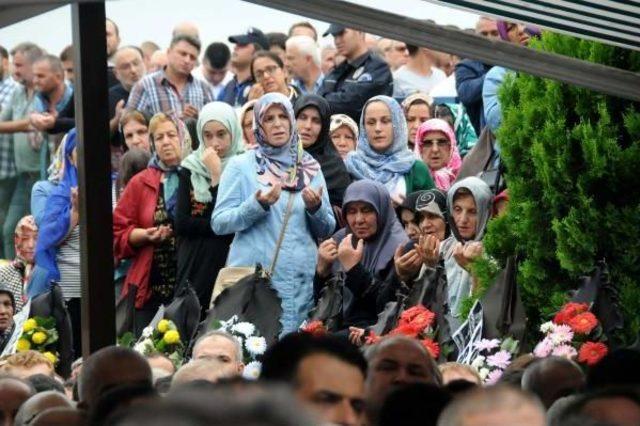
<point x="361" y="76"/>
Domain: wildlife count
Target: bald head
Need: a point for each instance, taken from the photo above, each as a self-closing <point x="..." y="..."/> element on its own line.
<point x="186" y="28"/>
<point x="39" y="403"/>
<point x="108" y="367"/>
<point x="553" y="378"/>
<point x="59" y="416"/>
<point x="13" y="393"/>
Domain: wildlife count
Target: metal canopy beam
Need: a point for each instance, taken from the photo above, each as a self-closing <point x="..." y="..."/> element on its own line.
<point x="94" y="167"/>
<point x="600" y="78"/>
<point x="9" y="15"/>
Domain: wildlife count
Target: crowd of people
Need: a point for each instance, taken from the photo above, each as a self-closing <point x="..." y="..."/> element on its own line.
<point x="341" y="163"/>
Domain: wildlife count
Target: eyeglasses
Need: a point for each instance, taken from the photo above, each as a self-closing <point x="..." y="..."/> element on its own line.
<point x="271" y="69"/>
<point x="440" y="143"/>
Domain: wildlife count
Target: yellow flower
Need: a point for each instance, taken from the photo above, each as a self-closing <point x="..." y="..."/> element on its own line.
<point x="39" y="337"/>
<point x="163" y="326"/>
<point x="23" y="345"/>
<point x="29" y="325"/>
<point x="171" y="337"/>
<point x="51" y="357"/>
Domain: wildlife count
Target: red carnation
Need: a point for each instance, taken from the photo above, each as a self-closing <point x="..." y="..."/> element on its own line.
<point x="432" y="347"/>
<point x="372" y="338"/>
<point x="591" y="353"/>
<point x="583" y="323"/>
<point x="315" y="328"/>
<point x="423" y="320"/>
<point x="408" y="315"/>
<point x="405" y="330"/>
<point x="569" y="311"/>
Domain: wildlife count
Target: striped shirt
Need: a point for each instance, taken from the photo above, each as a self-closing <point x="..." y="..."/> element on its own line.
<point x="155" y="93"/>
<point x="7" y="87"/>
<point x="68" y="259"/>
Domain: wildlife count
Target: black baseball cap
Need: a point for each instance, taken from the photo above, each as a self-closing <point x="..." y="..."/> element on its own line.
<point x="253" y="35"/>
<point x="334" y="29"/>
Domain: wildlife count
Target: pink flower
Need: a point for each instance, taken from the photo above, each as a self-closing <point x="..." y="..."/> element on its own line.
<point x="493" y="377"/>
<point x="543" y="349"/>
<point x="565" y="351"/>
<point x="500" y="359"/>
<point x="487" y="345"/>
<point x="561" y="334"/>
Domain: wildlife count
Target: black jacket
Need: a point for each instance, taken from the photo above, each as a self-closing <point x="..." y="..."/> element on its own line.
<point x="350" y="85"/>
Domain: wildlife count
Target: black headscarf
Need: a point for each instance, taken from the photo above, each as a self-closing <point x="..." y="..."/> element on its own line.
<point x="333" y="169"/>
<point x="421" y="201"/>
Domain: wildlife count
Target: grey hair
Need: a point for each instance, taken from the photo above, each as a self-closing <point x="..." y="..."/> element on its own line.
<point x="220" y="333"/>
<point x="306" y="45"/>
<point x="30" y="50"/>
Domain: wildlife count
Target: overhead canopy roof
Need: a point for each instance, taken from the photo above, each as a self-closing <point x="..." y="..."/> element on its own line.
<point x="611" y="22"/>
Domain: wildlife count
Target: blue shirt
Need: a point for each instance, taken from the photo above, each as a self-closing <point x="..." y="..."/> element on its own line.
<point x="492" y="109"/>
<point x="257" y="230"/>
<point x="299" y="84"/>
<point x="41" y="102"/>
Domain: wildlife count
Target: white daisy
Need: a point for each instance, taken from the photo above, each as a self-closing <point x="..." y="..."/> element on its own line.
<point x="256" y="345"/>
<point x="478" y="362"/>
<point x="484" y="372"/>
<point x="252" y="370"/>
<point x="548" y="327"/>
<point x="244" y="328"/>
<point x="147" y="332"/>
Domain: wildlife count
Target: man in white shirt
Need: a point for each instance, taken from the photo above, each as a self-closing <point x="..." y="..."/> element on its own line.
<point x="418" y="75"/>
<point x="215" y="67"/>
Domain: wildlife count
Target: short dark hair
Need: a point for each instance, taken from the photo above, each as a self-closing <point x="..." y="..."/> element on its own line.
<point x="413" y="49"/>
<point x="281" y="361"/>
<point x="217" y="55"/>
<point x="67" y="53"/>
<point x="43" y="383"/>
<point x="305" y="24"/>
<point x="277" y="39"/>
<point x="3" y="53"/>
<point x="186" y="38"/>
<point x="265" y="54"/>
<point x="415" y="403"/>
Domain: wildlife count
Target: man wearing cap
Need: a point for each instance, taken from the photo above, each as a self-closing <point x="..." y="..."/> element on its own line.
<point x="236" y="92"/>
<point x="15" y="275"/>
<point x="361" y="76"/>
<point x="7" y="309"/>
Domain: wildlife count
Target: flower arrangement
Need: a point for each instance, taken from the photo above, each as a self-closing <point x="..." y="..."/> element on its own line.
<point x="165" y="339"/>
<point x="574" y="333"/>
<point x="253" y="345"/>
<point x="494" y="356"/>
<point x="39" y="334"/>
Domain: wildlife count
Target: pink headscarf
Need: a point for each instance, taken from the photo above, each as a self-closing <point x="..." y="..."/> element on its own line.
<point x="444" y="177"/>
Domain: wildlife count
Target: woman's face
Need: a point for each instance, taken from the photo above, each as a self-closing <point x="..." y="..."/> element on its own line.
<point x="362" y="219"/>
<point x="216" y="136"/>
<point x="276" y="126"/>
<point x="309" y="126"/>
<point x="416" y="115"/>
<point x="517" y="34"/>
<point x="436" y="150"/>
<point x="408" y="221"/>
<point x="166" y="141"/>
<point x="270" y="75"/>
<point x="344" y="140"/>
<point x="378" y="124"/>
<point x="465" y="216"/>
<point x="136" y="135"/>
<point x="432" y="224"/>
<point x="247" y="129"/>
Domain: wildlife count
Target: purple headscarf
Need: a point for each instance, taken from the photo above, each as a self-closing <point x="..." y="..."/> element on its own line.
<point x="379" y="250"/>
<point x="503" y="30"/>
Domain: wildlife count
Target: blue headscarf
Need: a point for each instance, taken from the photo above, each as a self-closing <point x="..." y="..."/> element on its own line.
<point x="54" y="225"/>
<point x="393" y="164"/>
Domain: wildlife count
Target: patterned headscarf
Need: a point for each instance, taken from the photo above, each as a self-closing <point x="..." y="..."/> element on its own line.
<point x="444" y="177"/>
<point x="288" y="164"/>
<point x="393" y="164"/>
<point x="200" y="175"/>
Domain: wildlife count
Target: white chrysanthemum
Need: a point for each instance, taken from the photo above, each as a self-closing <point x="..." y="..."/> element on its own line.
<point x="252" y="370"/>
<point x="147" y="332"/>
<point x="484" y="372"/>
<point x="244" y="328"/>
<point x="256" y="345"/>
<point x="139" y="347"/>
<point x="478" y="362"/>
<point x="547" y="327"/>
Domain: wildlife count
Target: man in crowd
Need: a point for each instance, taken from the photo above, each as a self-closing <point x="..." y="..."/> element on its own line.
<point x="7" y="84"/>
<point x="215" y="67"/>
<point x="553" y="378"/>
<point x="54" y="97"/>
<point x="236" y="92"/>
<point x="26" y="364"/>
<point x="470" y="76"/>
<point x="328" y="59"/>
<point x="209" y="370"/>
<point x="303" y="28"/>
<point x="394" y="52"/>
<point x="394" y="362"/>
<point x="23" y="161"/>
<point x="220" y="346"/>
<point x="66" y="56"/>
<point x="173" y="89"/>
<point x="7" y="310"/>
<point x="113" y="41"/>
<point x="418" y="75"/>
<point x="13" y="393"/>
<point x="186" y="28"/>
<point x="129" y="69"/>
<point x="16" y="274"/>
<point x="157" y="61"/>
<point x="327" y="375"/>
<point x="362" y="76"/>
<point x="148" y="49"/>
<point x="303" y="64"/>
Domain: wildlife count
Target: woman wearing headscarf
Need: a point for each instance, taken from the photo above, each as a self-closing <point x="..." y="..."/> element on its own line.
<point x="437" y="146"/>
<point x="458" y="119"/>
<point x="363" y="250"/>
<point x="382" y="153"/>
<point x="255" y="191"/>
<point x="425" y="213"/>
<point x="343" y="132"/>
<point x="417" y="110"/>
<point x="143" y="221"/>
<point x="313" y="115"/>
<point x="201" y="252"/>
